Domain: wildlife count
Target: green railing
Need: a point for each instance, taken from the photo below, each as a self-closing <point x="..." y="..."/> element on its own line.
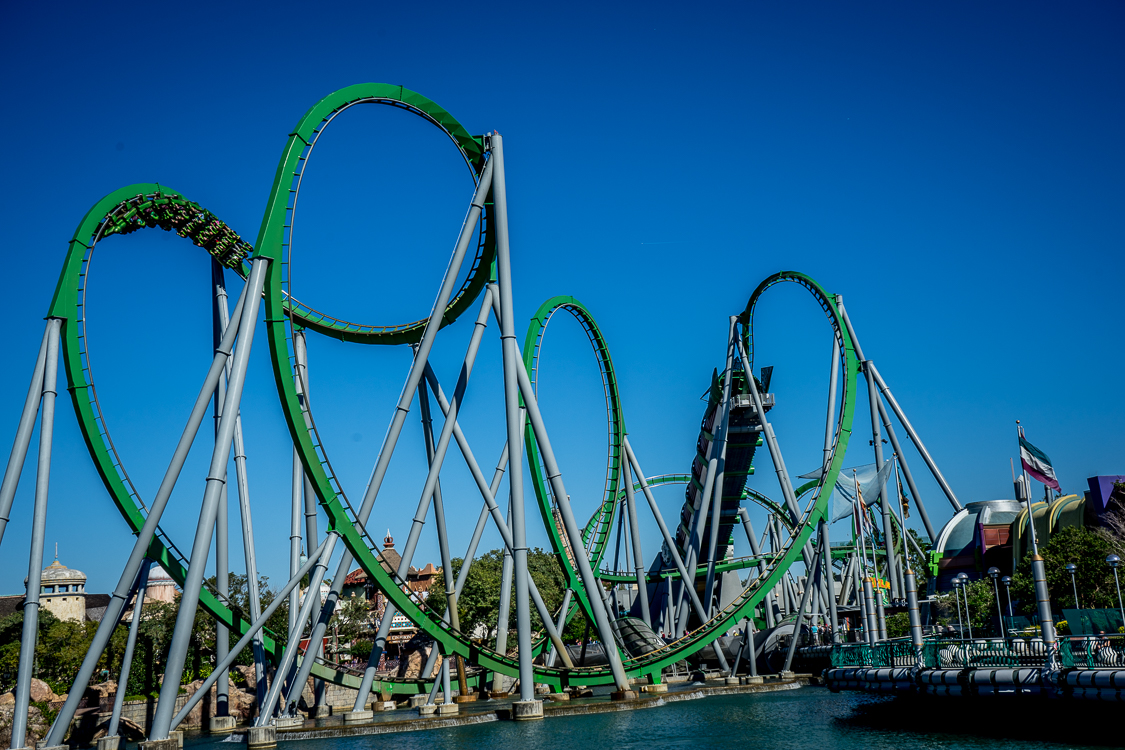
<point x="1092" y="651"/>
<point x="895" y="653"/>
<point x="996" y="652"/>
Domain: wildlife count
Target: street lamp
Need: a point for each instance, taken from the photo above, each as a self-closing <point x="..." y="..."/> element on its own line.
<point x="1007" y="581"/>
<point x="1113" y="561"/>
<point x="968" y="615"/>
<point x="995" y="573"/>
<point x="1072" y="568"/>
<point x="957" y="596"/>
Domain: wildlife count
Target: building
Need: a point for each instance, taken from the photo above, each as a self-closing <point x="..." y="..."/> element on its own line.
<point x="63" y="592"/>
<point x="161" y="587"/>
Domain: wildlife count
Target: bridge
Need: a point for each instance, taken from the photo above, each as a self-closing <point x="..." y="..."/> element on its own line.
<point x="679" y="600"/>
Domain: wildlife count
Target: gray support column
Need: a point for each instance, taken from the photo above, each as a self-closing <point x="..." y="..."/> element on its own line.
<point x="144" y="538"/>
<point x="810" y="584"/>
<point x="243" y="483"/>
<point x="417" y="368"/>
<point x="254" y="629"/>
<point x="38" y="532"/>
<point x="511" y="401"/>
<point x="216" y="476"/>
<point x="560" y="625"/>
<point x="877" y="442"/>
<point x="830" y="421"/>
<point x="916" y="640"/>
<point x="490" y="503"/>
<point x="880" y="612"/>
<point x="295" y="507"/>
<point x="127" y="659"/>
<point x="451" y="614"/>
<point x="826" y="550"/>
<point x="871" y="625"/>
<point x="906" y="472"/>
<point x="558" y="489"/>
<point x="222" y="546"/>
<point x="23" y="435"/>
<point x="847" y="581"/>
<point x="309" y="602"/>
<point x="638" y="554"/>
<point x="505" y="609"/>
<point x="755" y="550"/>
<point x="720" y="473"/>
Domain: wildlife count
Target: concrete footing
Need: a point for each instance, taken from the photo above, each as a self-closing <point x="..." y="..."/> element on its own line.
<point x="169" y="744"/>
<point x="384" y="706"/>
<point x="466" y="698"/>
<point x="259" y="738"/>
<point x="109" y="742"/>
<point x="732" y="681"/>
<point x="557" y="696"/>
<point x="756" y="680"/>
<point x="418" y="700"/>
<point x="220" y="725"/>
<point x="787" y="675"/>
<point x="659" y="687"/>
<point x="498" y="694"/>
<point x="527" y="710"/>
<point x="623" y="695"/>
<point x="358" y="717"/>
<point x="320" y="712"/>
<point x="289" y="722"/>
<point x="448" y="709"/>
<point x="427" y="709"/>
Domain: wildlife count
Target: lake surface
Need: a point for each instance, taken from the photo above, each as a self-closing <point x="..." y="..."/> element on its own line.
<point x="805" y="719"/>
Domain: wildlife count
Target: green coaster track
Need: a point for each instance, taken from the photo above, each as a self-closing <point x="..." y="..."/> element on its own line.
<point x="142" y="206"/>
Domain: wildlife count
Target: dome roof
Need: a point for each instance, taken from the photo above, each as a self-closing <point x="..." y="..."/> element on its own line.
<point x="159" y="575"/>
<point x="56" y="571"/>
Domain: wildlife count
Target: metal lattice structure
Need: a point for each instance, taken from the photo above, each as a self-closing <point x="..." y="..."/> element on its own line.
<point x="706" y="606"/>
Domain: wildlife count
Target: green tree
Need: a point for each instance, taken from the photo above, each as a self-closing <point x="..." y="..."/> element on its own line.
<point x="1085" y="548"/>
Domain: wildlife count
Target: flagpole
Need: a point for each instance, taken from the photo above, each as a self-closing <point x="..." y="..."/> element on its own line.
<point x="1038" y="571"/>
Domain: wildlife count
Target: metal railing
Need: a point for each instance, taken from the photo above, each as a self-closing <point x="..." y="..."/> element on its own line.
<point x="947" y="653"/>
<point x="1092" y="651"/>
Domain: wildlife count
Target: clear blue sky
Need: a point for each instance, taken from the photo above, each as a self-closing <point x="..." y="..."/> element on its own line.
<point x="955" y="171"/>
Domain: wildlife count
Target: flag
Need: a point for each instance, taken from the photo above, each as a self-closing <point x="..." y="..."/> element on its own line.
<point x="1036" y="463"/>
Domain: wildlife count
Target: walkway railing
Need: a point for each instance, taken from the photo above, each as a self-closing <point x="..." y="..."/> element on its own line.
<point x="950" y="653"/>
<point x="1092" y="651"/>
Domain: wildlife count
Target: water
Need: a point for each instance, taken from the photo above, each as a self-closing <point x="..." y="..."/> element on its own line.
<point x="804" y="719"/>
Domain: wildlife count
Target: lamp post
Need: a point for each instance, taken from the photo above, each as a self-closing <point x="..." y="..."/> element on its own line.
<point x="994" y="572"/>
<point x="1113" y="561"/>
<point x="957" y="596"/>
<point x="1072" y="568"/>
<point x="964" y="589"/>
<point x="1007" y="581"/>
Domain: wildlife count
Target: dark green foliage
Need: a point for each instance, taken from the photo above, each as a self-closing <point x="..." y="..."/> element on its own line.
<point x="478" y="604"/>
<point x="1086" y="549"/>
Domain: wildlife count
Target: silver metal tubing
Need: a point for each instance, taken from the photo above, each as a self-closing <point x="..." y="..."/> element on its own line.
<point x="810" y="584"/>
<point x="906" y="471"/>
<point x="830" y="579"/>
<point x="511" y="404"/>
<point x="308" y="602"/>
<point x="295" y="505"/>
<point x="755" y="550"/>
<point x="243" y="483"/>
<point x="638" y="554"/>
<point x="720" y="473"/>
<point x="216" y="479"/>
<point x="560" y="625"/>
<point x="877" y="442"/>
<point x="670" y="544"/>
<point x="23" y="435"/>
<point x="120" y="595"/>
<point x="700" y="510"/>
<point x="130" y="645"/>
<point x="872" y="626"/>
<point x="916" y="640"/>
<point x="558" y="489"/>
<point x="490" y="502"/>
<point x="913" y="435"/>
<point x="830" y="420"/>
<point x="451" y="614"/>
<point x="505" y="611"/>
<point x="38" y="532"/>
<point x="255" y="627"/>
<point x="222" y="546"/>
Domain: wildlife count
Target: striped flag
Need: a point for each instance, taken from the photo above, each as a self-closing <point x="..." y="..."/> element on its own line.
<point x="1036" y="463"/>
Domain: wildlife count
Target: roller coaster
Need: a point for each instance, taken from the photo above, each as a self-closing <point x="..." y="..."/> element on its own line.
<point x="682" y="598"/>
